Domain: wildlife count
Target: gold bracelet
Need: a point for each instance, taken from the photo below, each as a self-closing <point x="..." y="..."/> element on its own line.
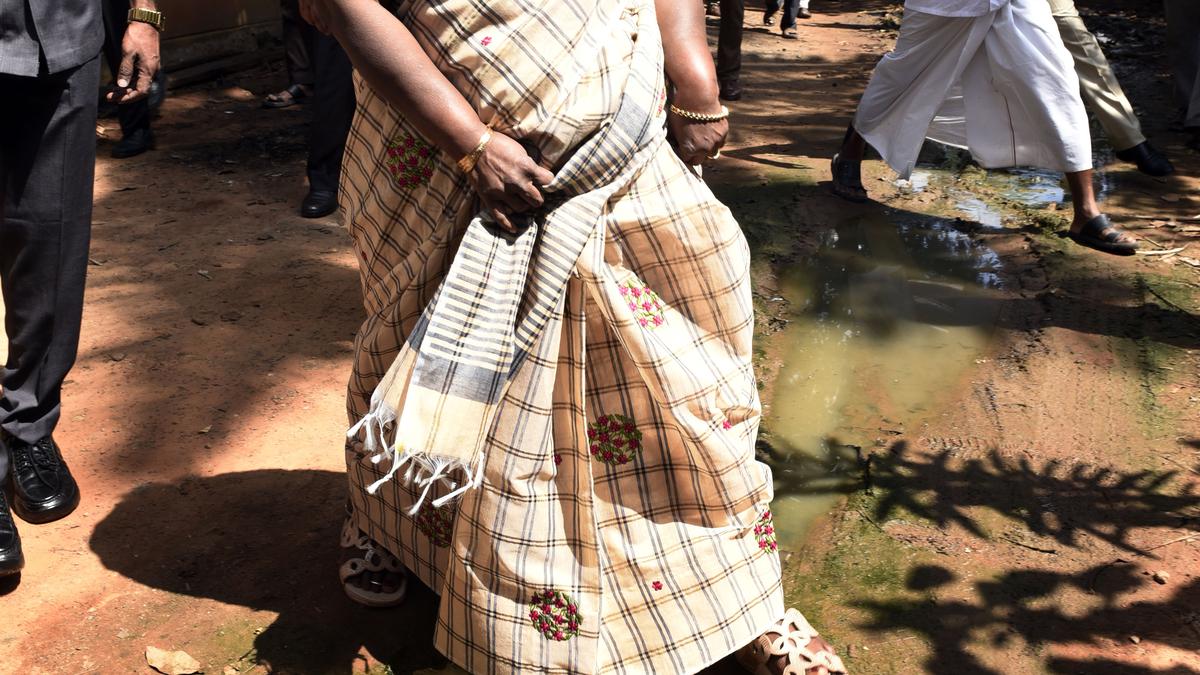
<point x="700" y="117"/>
<point x="469" y="160"/>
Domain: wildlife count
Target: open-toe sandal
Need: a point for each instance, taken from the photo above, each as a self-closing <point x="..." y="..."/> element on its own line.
<point x="291" y="96"/>
<point x="373" y="559"/>
<point x="795" y="641"/>
<point x="1100" y="234"/>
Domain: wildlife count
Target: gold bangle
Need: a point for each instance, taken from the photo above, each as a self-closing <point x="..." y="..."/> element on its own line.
<point x="700" y="117"/>
<point x="469" y="160"/>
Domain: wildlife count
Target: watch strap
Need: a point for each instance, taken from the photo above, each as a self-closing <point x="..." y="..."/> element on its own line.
<point x="150" y="16"/>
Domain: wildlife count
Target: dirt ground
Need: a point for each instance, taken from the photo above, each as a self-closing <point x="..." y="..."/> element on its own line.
<point x="1015" y="526"/>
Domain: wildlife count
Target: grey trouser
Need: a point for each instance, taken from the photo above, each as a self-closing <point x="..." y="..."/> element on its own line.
<point x="47" y="162"/>
<point x="1102" y="94"/>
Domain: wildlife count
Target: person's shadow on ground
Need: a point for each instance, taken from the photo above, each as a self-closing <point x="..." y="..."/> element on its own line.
<point x="266" y="540"/>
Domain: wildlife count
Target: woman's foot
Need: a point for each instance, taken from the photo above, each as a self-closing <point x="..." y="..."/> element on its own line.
<point x="370" y="575"/>
<point x="1098" y="233"/>
<point x="297" y="93"/>
<point x="790" y="646"/>
<point x="847" y="180"/>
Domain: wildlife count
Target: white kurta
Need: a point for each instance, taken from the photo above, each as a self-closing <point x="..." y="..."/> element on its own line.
<point x="1000" y="84"/>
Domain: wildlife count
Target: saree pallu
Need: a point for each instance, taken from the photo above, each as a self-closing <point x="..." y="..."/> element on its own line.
<point x="620" y="524"/>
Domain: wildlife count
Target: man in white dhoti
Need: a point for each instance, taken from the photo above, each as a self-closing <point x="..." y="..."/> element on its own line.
<point x="991" y="76"/>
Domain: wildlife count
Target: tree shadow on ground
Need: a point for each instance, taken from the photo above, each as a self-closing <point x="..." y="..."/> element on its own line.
<point x="266" y="540"/>
<point x="1014" y="606"/>
<point x="1064" y="503"/>
<point x="1045" y="510"/>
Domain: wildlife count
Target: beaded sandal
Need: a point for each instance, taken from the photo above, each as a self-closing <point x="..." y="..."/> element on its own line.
<point x="794" y="638"/>
<point x="373" y="560"/>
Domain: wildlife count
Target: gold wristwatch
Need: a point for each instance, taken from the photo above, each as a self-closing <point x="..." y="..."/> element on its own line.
<point x="150" y="16"/>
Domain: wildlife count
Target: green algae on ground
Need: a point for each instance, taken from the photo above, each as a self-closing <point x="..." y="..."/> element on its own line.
<point x="862" y="567"/>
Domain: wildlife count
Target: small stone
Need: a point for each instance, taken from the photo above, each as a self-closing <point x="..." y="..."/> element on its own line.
<point x="1135" y="639"/>
<point x="117" y="356"/>
<point x="171" y="663"/>
<point x="1161" y="577"/>
<point x="229" y="670"/>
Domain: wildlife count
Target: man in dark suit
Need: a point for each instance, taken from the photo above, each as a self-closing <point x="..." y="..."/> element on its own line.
<point x="50" y="74"/>
<point x="729" y="49"/>
<point x="320" y="72"/>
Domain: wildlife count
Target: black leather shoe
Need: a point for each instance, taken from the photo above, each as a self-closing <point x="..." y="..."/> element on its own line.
<point x="137" y="142"/>
<point x="318" y="203"/>
<point x="1148" y="159"/>
<point x="804" y="13"/>
<point x="731" y="90"/>
<point x="11" y="558"/>
<point x="43" y="489"/>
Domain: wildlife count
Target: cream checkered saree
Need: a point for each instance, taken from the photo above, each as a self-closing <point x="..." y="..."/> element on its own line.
<point x="573" y="409"/>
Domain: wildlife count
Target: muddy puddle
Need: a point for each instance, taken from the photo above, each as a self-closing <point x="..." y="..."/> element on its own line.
<point x="884" y="320"/>
<point x="1025" y="187"/>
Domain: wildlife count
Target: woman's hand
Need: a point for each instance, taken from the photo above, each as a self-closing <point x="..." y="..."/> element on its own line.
<point x="507" y="179"/>
<point x="690" y="70"/>
<point x="696" y="141"/>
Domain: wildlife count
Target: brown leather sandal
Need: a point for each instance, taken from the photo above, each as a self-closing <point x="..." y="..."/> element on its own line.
<point x="794" y="638"/>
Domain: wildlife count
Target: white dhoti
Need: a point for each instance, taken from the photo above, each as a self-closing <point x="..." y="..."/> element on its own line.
<point x="1001" y="85"/>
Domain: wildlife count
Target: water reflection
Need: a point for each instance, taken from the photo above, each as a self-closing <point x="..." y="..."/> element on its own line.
<point x="1030" y="188"/>
<point x="887" y="316"/>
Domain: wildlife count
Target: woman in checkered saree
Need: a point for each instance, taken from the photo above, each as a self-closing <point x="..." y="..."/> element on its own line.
<point x="553" y="404"/>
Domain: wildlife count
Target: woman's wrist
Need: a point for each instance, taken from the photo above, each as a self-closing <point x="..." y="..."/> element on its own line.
<point x="697" y="94"/>
<point x="464" y="141"/>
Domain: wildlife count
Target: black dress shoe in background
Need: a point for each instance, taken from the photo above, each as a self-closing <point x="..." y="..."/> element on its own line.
<point x="137" y="142"/>
<point x="1148" y="159"/>
<point x="804" y="13"/>
<point x="11" y="558"/>
<point x="731" y="90"/>
<point x="43" y="489"/>
<point x="318" y="203"/>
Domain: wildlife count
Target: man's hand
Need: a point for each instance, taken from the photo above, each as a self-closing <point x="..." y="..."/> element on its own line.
<point x="139" y="63"/>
